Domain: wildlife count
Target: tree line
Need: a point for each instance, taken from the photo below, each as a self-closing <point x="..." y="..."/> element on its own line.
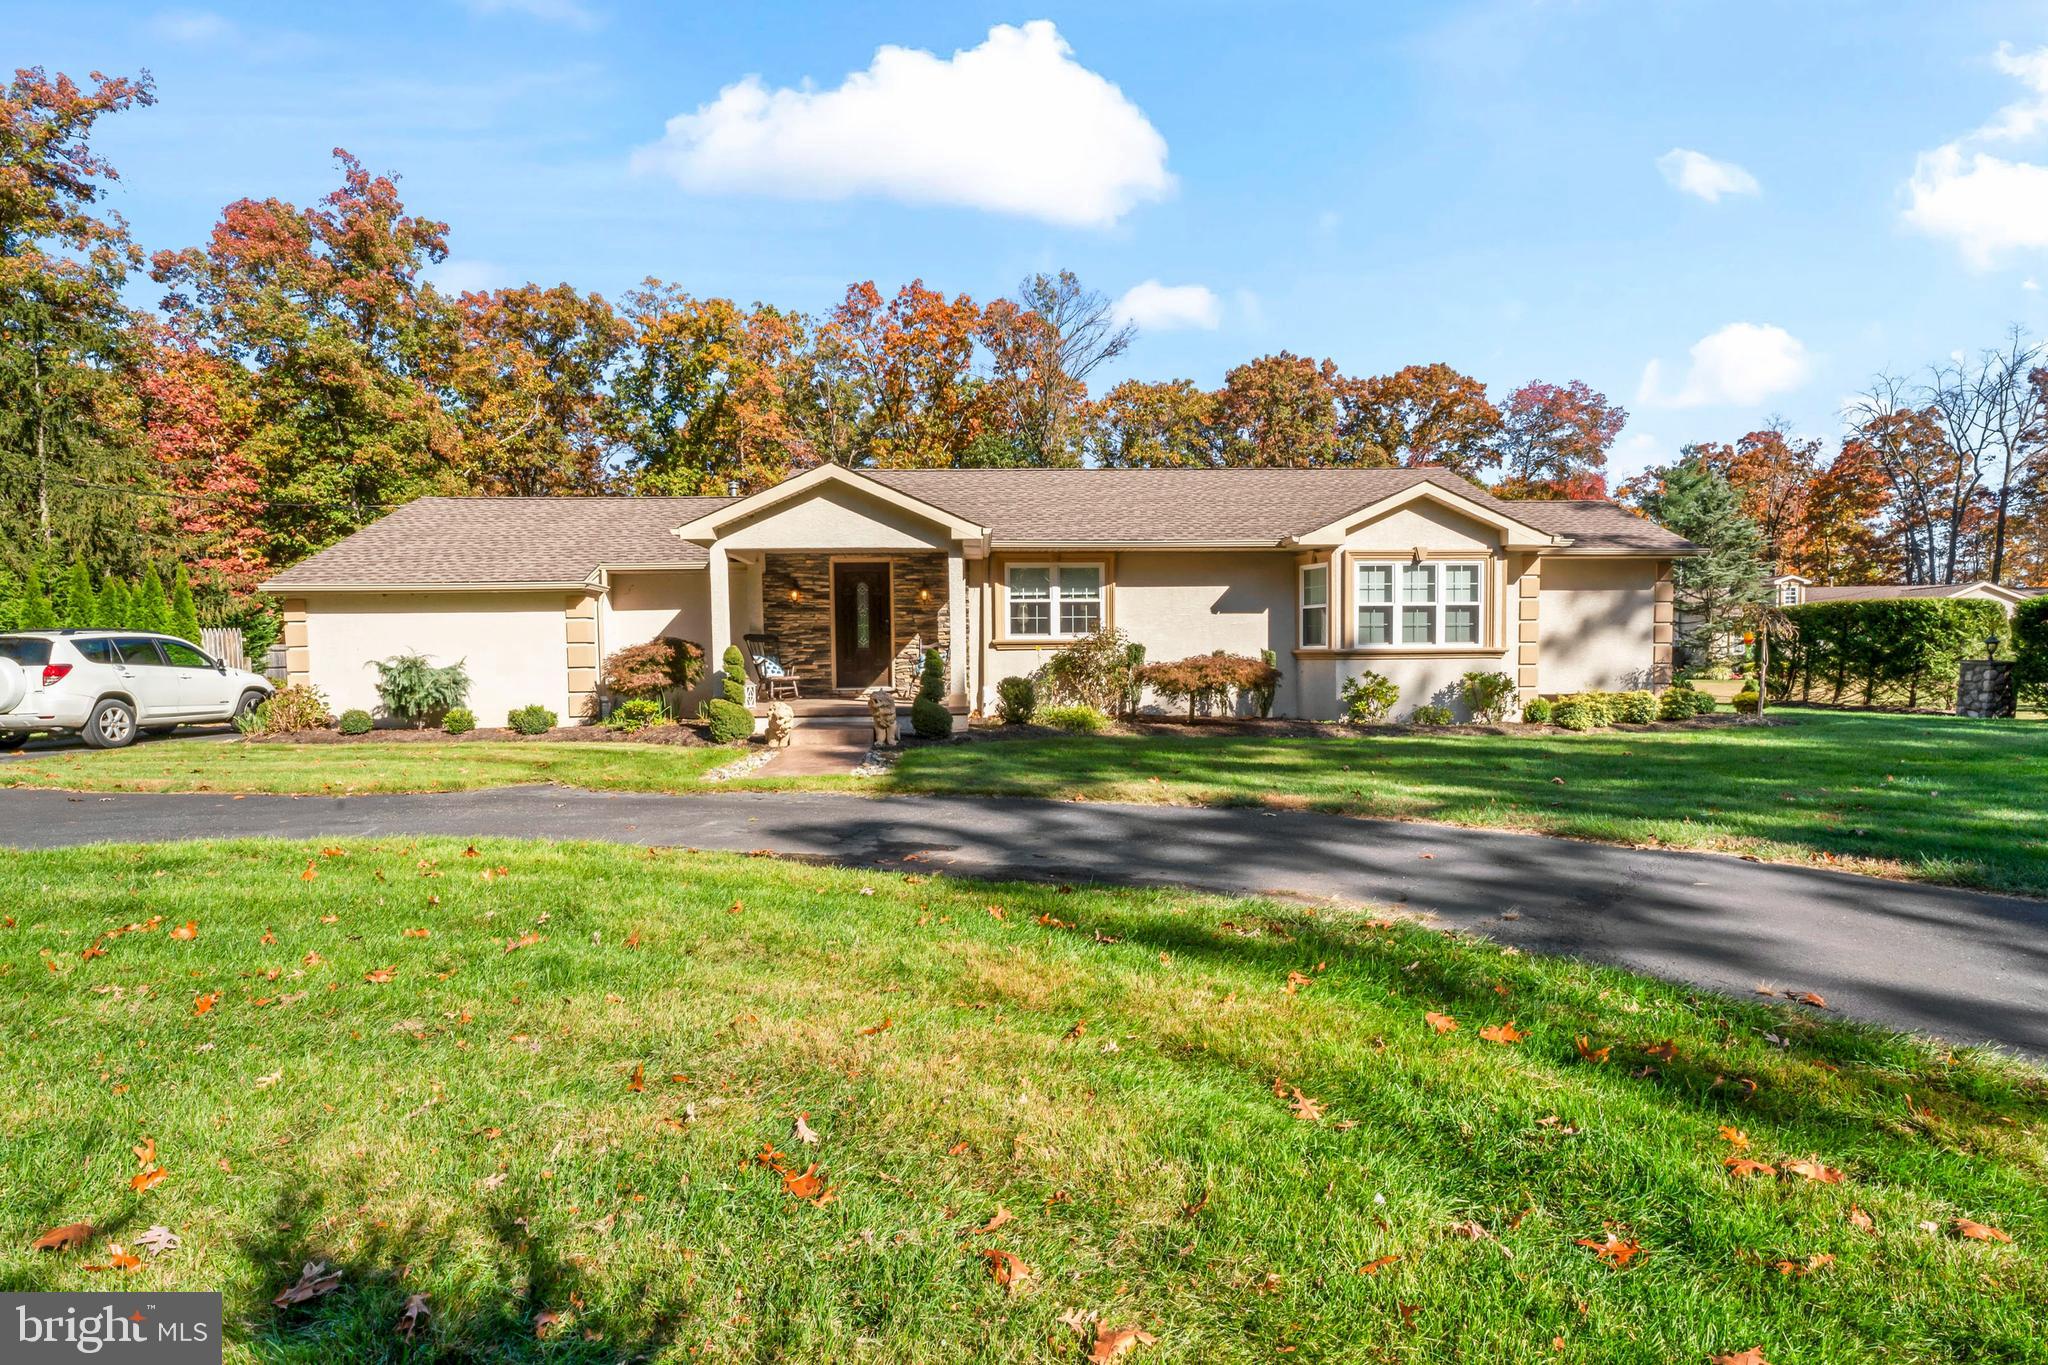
<point x="238" y="404"/>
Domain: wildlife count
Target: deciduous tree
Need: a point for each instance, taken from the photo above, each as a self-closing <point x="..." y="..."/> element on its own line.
<point x="1278" y="411"/>
<point x="1145" y="425"/>
<point x="1419" y="415"/>
<point x="1553" y="441"/>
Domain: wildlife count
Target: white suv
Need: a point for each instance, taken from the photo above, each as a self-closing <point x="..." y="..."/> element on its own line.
<point x="109" y="684"/>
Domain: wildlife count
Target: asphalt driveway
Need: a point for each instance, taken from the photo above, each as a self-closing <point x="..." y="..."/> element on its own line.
<point x="1967" y="966"/>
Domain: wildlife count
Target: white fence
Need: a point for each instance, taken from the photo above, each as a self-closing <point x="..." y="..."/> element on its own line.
<point x="224" y="643"/>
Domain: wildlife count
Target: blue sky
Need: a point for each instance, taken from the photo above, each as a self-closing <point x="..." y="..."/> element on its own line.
<point x="1493" y="185"/>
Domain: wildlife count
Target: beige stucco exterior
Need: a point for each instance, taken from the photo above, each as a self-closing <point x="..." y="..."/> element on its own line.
<point x="1553" y="621"/>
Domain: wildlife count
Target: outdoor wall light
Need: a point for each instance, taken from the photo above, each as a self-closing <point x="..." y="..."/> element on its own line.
<point x="795" y="596"/>
<point x="1991" y="646"/>
<point x="924" y="594"/>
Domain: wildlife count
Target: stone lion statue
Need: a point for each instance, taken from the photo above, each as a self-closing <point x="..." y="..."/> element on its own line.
<point x="882" y="706"/>
<point x="781" y="719"/>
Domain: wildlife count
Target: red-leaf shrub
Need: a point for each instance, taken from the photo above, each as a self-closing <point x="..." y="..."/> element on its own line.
<point x="653" y="668"/>
<point x="1204" y="681"/>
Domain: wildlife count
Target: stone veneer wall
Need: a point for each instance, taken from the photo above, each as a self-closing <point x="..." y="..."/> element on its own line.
<point x="805" y="625"/>
<point x="1986" y="689"/>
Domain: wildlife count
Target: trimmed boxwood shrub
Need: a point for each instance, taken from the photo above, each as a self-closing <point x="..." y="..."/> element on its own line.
<point x="1432" y="715"/>
<point x="532" y="720"/>
<point x="1703" y="703"/>
<point x="2030" y="653"/>
<point x="1676" y="704"/>
<point x="734" y="669"/>
<point x="1575" y="713"/>
<point x="1633" y="708"/>
<point x="728" y="721"/>
<point x="1745" y="701"/>
<point x="928" y="714"/>
<point x="1016" y="700"/>
<point x="1882" y="652"/>
<point x="460" y="721"/>
<point x="638" y="714"/>
<point x="1537" y="711"/>
<point x="1074" y="719"/>
<point x="355" y="721"/>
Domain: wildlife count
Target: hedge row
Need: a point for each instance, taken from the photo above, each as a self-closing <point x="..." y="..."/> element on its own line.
<point x="2030" y="653"/>
<point x="1883" y="652"/>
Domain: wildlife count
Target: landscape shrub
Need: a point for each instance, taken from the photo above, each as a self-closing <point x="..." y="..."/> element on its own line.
<point x="295" y="706"/>
<point x="629" y="717"/>
<point x="1489" y="696"/>
<point x="728" y="721"/>
<point x="1703" y="703"/>
<point x="412" y="689"/>
<point x="1368" y="697"/>
<point x="1432" y="715"/>
<point x="459" y="721"/>
<point x="1633" y="708"/>
<point x="1574" y="713"/>
<point x="1745" y="701"/>
<point x="2030" y="653"/>
<point x="1075" y="718"/>
<point x="354" y="721"/>
<point x="532" y="720"/>
<point x="1205" y="681"/>
<point x="1016" y="700"/>
<point x="653" y="668"/>
<point x="1263" y="692"/>
<point x="1882" y="652"/>
<point x="928" y="714"/>
<point x="1537" y="711"/>
<point x="1599" y="706"/>
<point x="733" y="666"/>
<point x="1098" y="670"/>
<point x="1676" y="704"/>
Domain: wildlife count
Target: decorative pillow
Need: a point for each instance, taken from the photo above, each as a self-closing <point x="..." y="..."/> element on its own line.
<point x="769" y="667"/>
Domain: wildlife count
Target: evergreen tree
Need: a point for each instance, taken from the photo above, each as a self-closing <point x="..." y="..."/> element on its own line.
<point x="184" y="615"/>
<point x="1712" y="591"/>
<point x="36" y="612"/>
<point x="113" y="605"/>
<point x="151" y="610"/>
<point x="74" y="600"/>
<point x="10" y="601"/>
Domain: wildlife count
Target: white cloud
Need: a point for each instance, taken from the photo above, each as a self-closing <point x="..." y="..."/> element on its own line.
<point x="1160" y="307"/>
<point x="1015" y="125"/>
<point x="1989" y="206"/>
<point x="462" y="275"/>
<point x="192" y="26"/>
<point x="1742" y="364"/>
<point x="1700" y="175"/>
<point x="547" y="11"/>
<point x="1633" y="453"/>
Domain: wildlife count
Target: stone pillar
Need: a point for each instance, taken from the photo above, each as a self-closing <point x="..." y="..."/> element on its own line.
<point x="1661" y="631"/>
<point x="579" y="628"/>
<point x="298" y="657"/>
<point x="1986" y="689"/>
<point x="1528" y="629"/>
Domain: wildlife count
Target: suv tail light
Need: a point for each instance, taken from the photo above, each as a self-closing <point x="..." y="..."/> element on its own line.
<point x="54" y="673"/>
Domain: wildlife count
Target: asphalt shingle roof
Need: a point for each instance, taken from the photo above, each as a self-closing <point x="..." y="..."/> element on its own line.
<point x="565" y="540"/>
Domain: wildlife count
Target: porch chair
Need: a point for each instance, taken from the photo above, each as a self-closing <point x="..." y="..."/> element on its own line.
<point x="764" y="661"/>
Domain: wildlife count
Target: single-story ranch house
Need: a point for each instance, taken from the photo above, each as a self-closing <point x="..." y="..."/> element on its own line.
<point x="1418" y="574"/>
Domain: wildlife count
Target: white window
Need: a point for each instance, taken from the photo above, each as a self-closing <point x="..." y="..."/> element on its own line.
<point x="1430" y="604"/>
<point x="1054" y="601"/>
<point x="1315" y="606"/>
<point x="1788" y="594"/>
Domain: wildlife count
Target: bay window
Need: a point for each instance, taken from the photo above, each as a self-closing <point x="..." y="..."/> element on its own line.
<point x="1054" y="601"/>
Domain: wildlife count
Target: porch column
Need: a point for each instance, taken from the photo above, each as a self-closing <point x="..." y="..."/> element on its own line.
<point x="718" y="577"/>
<point x="960" y="648"/>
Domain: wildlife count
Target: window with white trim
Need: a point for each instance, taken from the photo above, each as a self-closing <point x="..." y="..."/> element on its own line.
<point x="1434" y="603"/>
<point x="1054" y="601"/>
<point x="1788" y="594"/>
<point x="1315" y="606"/>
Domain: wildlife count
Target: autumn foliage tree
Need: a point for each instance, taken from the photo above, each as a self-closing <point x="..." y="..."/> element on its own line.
<point x="1553" y="441"/>
<point x="1419" y="415"/>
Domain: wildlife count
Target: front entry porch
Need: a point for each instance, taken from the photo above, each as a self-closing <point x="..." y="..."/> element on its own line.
<point x="846" y="622"/>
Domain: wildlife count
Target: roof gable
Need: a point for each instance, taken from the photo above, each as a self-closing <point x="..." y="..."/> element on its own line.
<point x="718" y="521"/>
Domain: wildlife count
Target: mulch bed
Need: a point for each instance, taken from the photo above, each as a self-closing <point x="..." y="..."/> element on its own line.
<point x="683" y="736"/>
<point x="1251" y="727"/>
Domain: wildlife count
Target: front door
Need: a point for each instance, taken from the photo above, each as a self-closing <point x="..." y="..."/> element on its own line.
<point x="862" y="643"/>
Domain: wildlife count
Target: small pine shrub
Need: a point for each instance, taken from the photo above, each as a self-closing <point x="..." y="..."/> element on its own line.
<point x="928" y="714"/>
<point x="1574" y="713"/>
<point x="1745" y="701"/>
<point x="413" y="689"/>
<point x="729" y="722"/>
<point x="295" y="706"/>
<point x="532" y="720"/>
<point x="1634" y="708"/>
<point x="1368" y="697"/>
<point x="459" y="721"/>
<point x="1537" y="711"/>
<point x="1432" y="716"/>
<point x="631" y="716"/>
<point x="1016" y="700"/>
<point x="1074" y="718"/>
<point x="354" y="721"/>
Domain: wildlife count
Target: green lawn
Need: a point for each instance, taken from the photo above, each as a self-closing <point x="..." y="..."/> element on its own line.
<point x="571" y="1127"/>
<point x="337" y="769"/>
<point x="1932" y="798"/>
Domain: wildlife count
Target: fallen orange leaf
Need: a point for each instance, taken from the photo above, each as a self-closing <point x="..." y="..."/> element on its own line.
<point x="188" y="930"/>
<point x="1442" y="1023"/>
<point x="1111" y="1342"/>
<point x="1734" y="1137"/>
<point x="1814" y="1169"/>
<point x="1595" y="1055"/>
<point x="147" y="1180"/>
<point x="1373" y="1267"/>
<point x="1615" y="1250"/>
<point x="1743" y="1167"/>
<point x="1753" y="1356"/>
<point x="1001" y="1216"/>
<point x="1979" y="1232"/>
<point x="67" y="1238"/>
<point x="380" y="976"/>
<point x="202" y="1003"/>
<point x="1502" y="1033"/>
<point x="639" y="1081"/>
<point x="1007" y="1269"/>
<point x="310" y="873"/>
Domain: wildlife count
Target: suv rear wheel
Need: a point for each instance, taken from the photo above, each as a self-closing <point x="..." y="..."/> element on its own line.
<point x="10" y="740"/>
<point x="251" y="700"/>
<point x="111" y="725"/>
